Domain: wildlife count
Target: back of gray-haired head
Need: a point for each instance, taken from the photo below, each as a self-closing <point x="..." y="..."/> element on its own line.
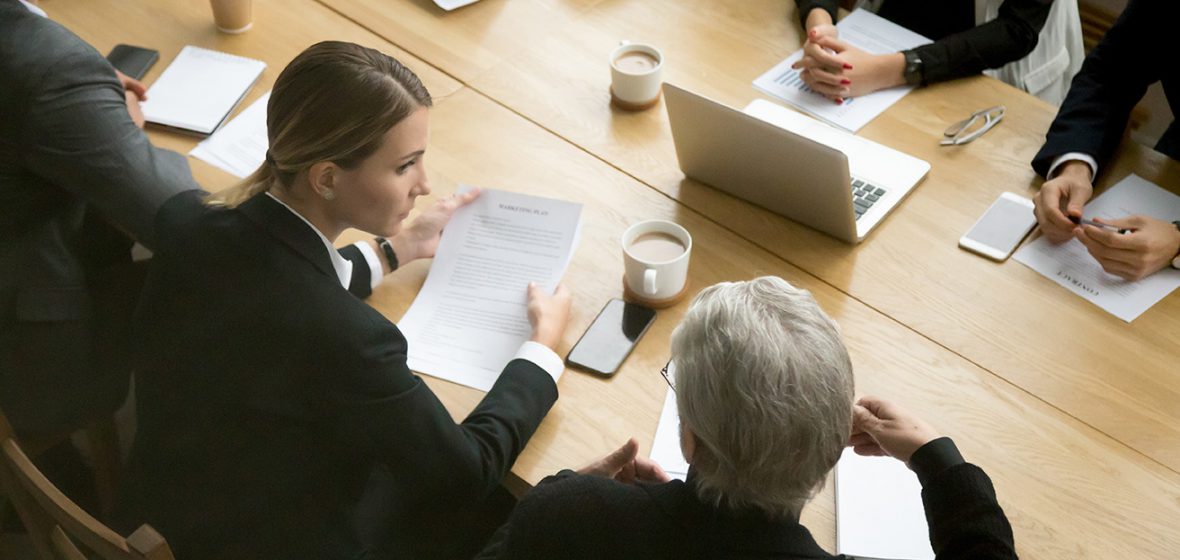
<point x="765" y="384"/>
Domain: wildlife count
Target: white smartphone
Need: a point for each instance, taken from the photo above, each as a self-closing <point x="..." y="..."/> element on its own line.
<point x="1001" y="229"/>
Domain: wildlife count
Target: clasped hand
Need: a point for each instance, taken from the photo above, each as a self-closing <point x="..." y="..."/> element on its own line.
<point x="836" y="69"/>
<point x="625" y="465"/>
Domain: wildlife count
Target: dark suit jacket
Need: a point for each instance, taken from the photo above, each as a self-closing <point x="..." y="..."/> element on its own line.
<point x="71" y="164"/>
<point x="268" y="396"/>
<point x="575" y="517"/>
<point x="1138" y="51"/>
<point x="960" y="47"/>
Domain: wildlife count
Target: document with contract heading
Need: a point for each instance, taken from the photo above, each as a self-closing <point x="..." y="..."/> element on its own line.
<point x="470" y="317"/>
<point x="879" y="512"/>
<point x="862" y="29"/>
<point x="1072" y="266"/>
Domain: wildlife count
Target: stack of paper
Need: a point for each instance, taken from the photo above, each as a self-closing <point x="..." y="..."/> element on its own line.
<point x="864" y="30"/>
<point x="470" y="316"/>
<point x="239" y="148"/>
<point x="1072" y="266"/>
<point x="665" y="450"/>
<point x="879" y="513"/>
<point x="199" y="90"/>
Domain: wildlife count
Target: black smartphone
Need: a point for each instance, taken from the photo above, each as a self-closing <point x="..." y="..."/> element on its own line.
<point x="611" y="336"/>
<point x="133" y="61"/>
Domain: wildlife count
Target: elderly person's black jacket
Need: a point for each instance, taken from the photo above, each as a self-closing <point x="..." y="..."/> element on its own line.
<point x="573" y="517"/>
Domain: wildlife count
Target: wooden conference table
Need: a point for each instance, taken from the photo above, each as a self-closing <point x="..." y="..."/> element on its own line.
<point x="1121" y="379"/>
<point x="1080" y="477"/>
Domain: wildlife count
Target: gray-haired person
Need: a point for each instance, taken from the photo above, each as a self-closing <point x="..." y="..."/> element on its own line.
<point x="765" y="394"/>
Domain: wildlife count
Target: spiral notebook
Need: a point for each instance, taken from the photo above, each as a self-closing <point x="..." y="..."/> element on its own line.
<point x="199" y="90"/>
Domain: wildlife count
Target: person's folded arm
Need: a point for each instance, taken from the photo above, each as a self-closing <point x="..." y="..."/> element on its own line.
<point x="77" y="135"/>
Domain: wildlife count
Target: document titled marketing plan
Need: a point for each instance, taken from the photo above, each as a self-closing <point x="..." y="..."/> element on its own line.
<point x="470" y="317"/>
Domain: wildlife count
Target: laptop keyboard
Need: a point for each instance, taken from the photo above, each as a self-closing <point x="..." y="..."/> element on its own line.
<point x="864" y="196"/>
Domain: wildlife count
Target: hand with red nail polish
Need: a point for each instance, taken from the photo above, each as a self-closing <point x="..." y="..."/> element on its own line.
<point x="838" y="70"/>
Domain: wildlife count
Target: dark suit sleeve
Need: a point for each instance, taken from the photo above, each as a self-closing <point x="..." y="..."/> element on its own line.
<point x="805" y="7"/>
<point x="76" y="133"/>
<point x="537" y="527"/>
<point x="1112" y="80"/>
<point x="1011" y="36"/>
<point x="964" y="518"/>
<point x="361" y="284"/>
<point x="380" y="407"/>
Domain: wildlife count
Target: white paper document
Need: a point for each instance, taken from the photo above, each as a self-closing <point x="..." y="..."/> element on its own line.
<point x="1072" y="266"/>
<point x="449" y="5"/>
<point x="665" y="450"/>
<point x="239" y="148"/>
<point x="879" y="512"/>
<point x="199" y="89"/>
<point x="470" y="317"/>
<point x="862" y="29"/>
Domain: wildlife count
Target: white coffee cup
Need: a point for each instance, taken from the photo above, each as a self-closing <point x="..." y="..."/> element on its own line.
<point x="635" y="76"/>
<point x="655" y="263"/>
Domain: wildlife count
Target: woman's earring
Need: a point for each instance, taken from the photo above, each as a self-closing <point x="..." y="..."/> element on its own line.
<point x="328" y="195"/>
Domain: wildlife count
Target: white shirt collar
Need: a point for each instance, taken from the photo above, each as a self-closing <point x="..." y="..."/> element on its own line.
<point x="35" y="9"/>
<point x="343" y="266"/>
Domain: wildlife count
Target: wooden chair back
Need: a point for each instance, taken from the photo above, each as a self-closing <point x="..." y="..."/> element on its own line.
<point x="57" y="527"/>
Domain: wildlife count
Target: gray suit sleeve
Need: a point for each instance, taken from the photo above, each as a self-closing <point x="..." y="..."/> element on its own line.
<point x="77" y="134"/>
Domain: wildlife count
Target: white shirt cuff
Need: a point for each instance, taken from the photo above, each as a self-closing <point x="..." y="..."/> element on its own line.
<point x="541" y="355"/>
<point x="1073" y="156"/>
<point x="376" y="272"/>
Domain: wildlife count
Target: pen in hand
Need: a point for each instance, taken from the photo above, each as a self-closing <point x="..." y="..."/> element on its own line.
<point x="1108" y="227"/>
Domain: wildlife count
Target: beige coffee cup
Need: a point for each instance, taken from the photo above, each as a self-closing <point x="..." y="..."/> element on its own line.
<point x="635" y="76"/>
<point x="233" y="16"/>
<point x="655" y="263"/>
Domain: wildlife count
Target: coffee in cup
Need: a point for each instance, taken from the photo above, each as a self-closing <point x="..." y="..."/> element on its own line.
<point x="656" y="246"/>
<point x="635" y="72"/>
<point x="233" y="16"/>
<point x="655" y="261"/>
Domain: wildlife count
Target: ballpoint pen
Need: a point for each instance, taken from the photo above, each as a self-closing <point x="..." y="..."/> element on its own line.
<point x="1108" y="227"/>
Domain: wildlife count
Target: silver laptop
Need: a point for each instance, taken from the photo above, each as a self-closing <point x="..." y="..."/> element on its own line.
<point x="790" y="164"/>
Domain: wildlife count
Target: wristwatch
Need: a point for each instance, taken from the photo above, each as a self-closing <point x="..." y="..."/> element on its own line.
<point x="915" y="72"/>
<point x="387" y="248"/>
<point x="1176" y="259"/>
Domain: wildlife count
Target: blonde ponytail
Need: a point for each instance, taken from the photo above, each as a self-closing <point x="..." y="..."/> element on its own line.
<point x="256" y="183"/>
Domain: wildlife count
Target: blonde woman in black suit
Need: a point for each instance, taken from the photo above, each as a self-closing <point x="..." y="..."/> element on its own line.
<point x="277" y="415"/>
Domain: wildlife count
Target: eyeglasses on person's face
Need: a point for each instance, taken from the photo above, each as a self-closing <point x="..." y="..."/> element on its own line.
<point x="668" y="376"/>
